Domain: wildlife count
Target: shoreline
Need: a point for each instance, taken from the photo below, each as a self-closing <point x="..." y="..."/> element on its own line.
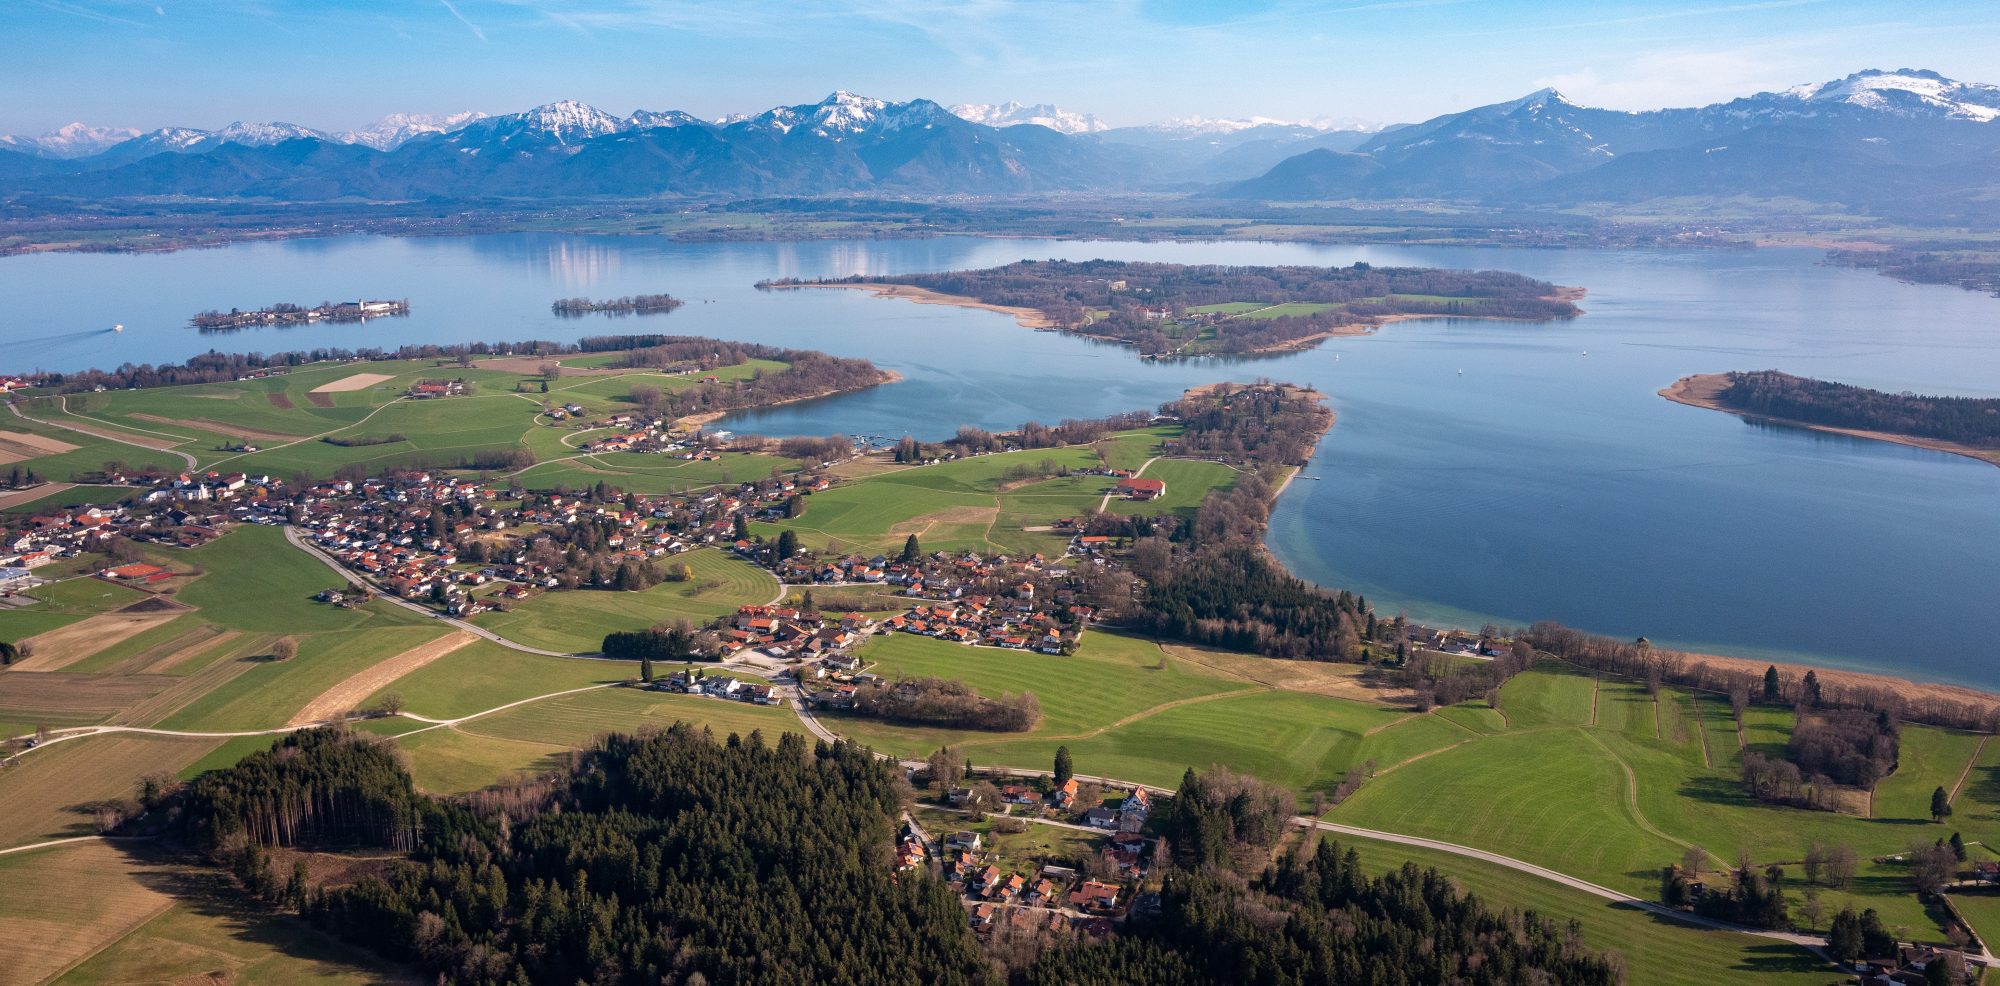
<point x="694" y="422"/>
<point x="1704" y="390"/>
<point x="1027" y="318"/>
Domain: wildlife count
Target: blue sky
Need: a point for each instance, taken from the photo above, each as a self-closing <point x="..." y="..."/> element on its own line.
<point x="203" y="63"/>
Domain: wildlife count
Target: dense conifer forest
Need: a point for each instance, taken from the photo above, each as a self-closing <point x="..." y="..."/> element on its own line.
<point x="1973" y="421"/>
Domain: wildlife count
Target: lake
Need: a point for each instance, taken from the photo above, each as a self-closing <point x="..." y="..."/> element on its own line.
<point x="1478" y="471"/>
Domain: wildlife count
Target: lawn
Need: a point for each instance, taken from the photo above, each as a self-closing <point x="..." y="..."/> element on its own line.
<point x="576" y="621"/>
<point x="1657" y="952"/>
<point x="1553" y="695"/>
<point x="1131" y="449"/>
<point x="257" y="581"/>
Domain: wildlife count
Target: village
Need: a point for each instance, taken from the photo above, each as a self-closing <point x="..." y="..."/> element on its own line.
<point x="289" y="314"/>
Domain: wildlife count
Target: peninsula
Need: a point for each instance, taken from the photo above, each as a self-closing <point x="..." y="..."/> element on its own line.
<point x="1171" y="311"/>
<point x="1968" y="426"/>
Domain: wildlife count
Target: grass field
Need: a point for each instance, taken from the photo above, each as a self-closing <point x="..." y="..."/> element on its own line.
<point x="126" y="916"/>
<point x="60" y="604"/>
<point x="1615" y="800"/>
<point x="267" y="693"/>
<point x="484" y="675"/>
<point x="1189" y="481"/>
<point x="537" y="736"/>
<point x="48" y="793"/>
<point x="1111" y="678"/>
<point x="1657" y="952"/>
<point x="576" y="622"/>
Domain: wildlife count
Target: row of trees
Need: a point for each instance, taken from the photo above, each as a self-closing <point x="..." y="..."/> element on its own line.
<point x="682" y="641"/>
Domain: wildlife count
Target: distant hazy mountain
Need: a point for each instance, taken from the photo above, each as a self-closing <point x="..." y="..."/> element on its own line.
<point x="72" y="140"/>
<point x="1876" y="139"/>
<point x="397" y="129"/>
<point x="1012" y="114"/>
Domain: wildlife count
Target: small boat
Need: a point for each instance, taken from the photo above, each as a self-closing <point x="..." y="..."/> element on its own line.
<point x="120" y="327"/>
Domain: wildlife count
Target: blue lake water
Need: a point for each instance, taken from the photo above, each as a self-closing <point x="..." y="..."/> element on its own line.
<point x="1540" y="482"/>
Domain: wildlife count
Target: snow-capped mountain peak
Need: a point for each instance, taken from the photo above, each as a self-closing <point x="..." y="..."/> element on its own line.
<point x="263" y="134"/>
<point x="70" y="140"/>
<point x="397" y="129"/>
<point x="567" y="120"/>
<point x="1906" y="92"/>
<point x="844" y="114"/>
<point x="1011" y="114"/>
<point x="651" y="119"/>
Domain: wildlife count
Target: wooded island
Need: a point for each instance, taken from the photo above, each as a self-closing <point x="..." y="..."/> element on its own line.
<point x="1176" y="310"/>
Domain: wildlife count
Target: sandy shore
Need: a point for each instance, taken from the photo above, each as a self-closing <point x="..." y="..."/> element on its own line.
<point x="1909" y="690"/>
<point x="693" y="421"/>
<point x="1027" y="317"/>
<point x="1705" y="389"/>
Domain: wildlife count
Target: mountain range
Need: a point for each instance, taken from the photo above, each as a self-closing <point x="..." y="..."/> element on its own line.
<point x="1904" y="142"/>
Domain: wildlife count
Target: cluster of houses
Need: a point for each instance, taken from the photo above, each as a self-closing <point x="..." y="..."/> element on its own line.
<point x="428" y="389"/>
<point x="993" y="600"/>
<point x="1066" y="900"/>
<point x="384" y="530"/>
<point x="1457" y="643"/>
<point x="698" y="682"/>
<point x="31" y="541"/>
<point x="1910" y="967"/>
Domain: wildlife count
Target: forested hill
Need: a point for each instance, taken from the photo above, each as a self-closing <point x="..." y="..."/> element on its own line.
<point x="1972" y="421"/>
<point x="1192" y="309"/>
<point x="673" y="858"/>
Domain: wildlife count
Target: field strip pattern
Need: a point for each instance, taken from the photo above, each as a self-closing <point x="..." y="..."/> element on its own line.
<point x="348" y="694"/>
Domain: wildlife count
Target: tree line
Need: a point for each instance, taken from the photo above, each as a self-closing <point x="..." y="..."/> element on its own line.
<point x="1973" y="421"/>
<point x="631" y="304"/>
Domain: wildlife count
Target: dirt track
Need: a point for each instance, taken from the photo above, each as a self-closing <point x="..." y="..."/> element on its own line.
<point x="349" y="694"/>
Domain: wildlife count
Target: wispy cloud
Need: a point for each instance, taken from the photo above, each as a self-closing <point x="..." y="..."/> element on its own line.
<point x="474" y="28"/>
<point x="79" y="10"/>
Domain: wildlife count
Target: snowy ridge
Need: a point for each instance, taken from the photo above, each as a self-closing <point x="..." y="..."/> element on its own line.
<point x="70" y="140"/>
<point x="1906" y="92"/>
<point x="397" y="129"/>
<point x="1012" y="114"/>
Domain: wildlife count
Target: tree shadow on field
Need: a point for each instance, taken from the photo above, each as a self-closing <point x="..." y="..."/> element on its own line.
<point x="213" y="893"/>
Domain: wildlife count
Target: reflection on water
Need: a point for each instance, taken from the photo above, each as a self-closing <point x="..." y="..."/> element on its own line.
<point x="1540" y="483"/>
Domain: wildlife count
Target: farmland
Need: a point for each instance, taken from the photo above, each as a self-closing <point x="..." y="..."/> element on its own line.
<point x="287" y="416"/>
<point x="126" y="916"/>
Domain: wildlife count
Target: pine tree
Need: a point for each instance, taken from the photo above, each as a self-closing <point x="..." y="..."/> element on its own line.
<point x="1771" y="692"/>
<point x="1940" y="805"/>
<point x="788" y="545"/>
<point x="1812" y="697"/>
<point x="646" y="670"/>
<point x="911" y="549"/>
<point x="1958" y="846"/>
<point x="1844" y="940"/>
<point x="1064" y="767"/>
<point x="742" y="528"/>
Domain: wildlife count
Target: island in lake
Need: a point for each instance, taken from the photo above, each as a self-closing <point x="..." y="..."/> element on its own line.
<point x="1968" y="426"/>
<point x="1178" y="310"/>
<point x="285" y="313"/>
<point x="633" y="304"/>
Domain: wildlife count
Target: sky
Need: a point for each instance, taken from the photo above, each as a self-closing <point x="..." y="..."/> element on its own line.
<point x="337" y="64"/>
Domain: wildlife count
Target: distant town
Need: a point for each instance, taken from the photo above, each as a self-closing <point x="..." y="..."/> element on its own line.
<point x="289" y="314"/>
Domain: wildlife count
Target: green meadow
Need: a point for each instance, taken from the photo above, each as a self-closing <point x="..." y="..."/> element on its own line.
<point x="576" y="622"/>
